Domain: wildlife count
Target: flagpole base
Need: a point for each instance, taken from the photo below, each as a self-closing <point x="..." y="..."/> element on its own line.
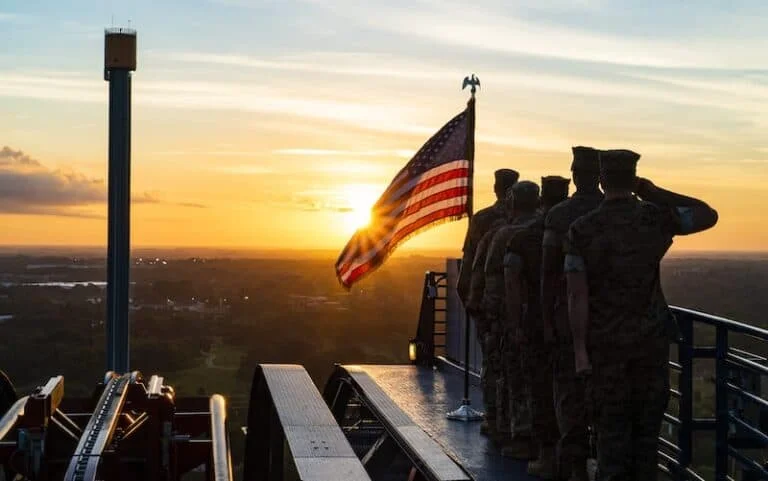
<point x="465" y="413"/>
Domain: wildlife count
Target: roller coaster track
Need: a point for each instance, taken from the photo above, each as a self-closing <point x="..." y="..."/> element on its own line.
<point x="99" y="431"/>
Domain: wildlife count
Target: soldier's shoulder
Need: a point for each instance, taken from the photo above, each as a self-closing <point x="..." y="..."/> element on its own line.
<point x="487" y="213"/>
<point x="557" y="216"/>
<point x="504" y="231"/>
<point x="520" y="234"/>
<point x="535" y="227"/>
<point x="586" y="223"/>
<point x="488" y="236"/>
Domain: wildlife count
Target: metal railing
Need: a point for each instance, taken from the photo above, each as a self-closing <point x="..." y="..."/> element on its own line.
<point x="442" y="319"/>
<point x="738" y="425"/>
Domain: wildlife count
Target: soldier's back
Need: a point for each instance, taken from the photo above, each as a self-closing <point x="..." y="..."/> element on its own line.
<point x="622" y="243"/>
<point x="525" y="242"/>
<point x="561" y="216"/>
<point x="477" y="269"/>
<point x="481" y="222"/>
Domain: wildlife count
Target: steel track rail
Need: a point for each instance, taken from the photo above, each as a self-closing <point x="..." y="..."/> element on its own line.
<point x="99" y="431"/>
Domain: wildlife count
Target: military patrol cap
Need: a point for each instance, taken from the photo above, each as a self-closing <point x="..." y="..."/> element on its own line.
<point x="618" y="160"/>
<point x="506" y="177"/>
<point x="586" y="159"/>
<point x="554" y="186"/>
<point x="525" y="190"/>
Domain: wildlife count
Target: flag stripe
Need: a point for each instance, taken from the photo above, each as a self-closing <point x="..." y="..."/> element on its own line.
<point x="407" y="187"/>
<point x="464" y="182"/>
<point x="434" y="186"/>
<point x="360" y="269"/>
<point x="400" y="208"/>
<point x="437" y="197"/>
<point x="429" y="211"/>
<point x="445" y="183"/>
<point x="438" y="179"/>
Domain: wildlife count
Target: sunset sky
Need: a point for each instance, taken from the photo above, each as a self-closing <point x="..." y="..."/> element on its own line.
<point x="268" y="123"/>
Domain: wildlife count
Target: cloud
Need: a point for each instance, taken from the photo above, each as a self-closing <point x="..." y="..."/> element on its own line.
<point x="314" y="205"/>
<point x="244" y="169"/>
<point x="493" y="29"/>
<point x="219" y="95"/>
<point x="51" y="86"/>
<point x="50" y="211"/>
<point x="402" y="153"/>
<point x="28" y="187"/>
<point x="217" y="153"/>
<point x="317" y="200"/>
<point x="192" y="205"/>
<point x="336" y="63"/>
<point x="9" y="156"/>
<point x="12" y="17"/>
<point x="156" y="198"/>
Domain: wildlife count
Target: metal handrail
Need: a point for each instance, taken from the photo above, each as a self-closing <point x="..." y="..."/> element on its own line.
<point x="728" y="360"/>
<point x="222" y="459"/>
<point x="11" y="416"/>
<point x="717" y="321"/>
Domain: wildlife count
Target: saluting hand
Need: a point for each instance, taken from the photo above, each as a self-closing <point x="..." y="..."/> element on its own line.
<point x="642" y="185"/>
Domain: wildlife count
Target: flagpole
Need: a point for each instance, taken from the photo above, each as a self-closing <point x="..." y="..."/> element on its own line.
<point x="465" y="412"/>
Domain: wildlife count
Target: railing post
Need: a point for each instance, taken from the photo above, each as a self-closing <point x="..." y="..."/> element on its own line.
<point x="685" y="357"/>
<point x="721" y="404"/>
<point x="425" y="332"/>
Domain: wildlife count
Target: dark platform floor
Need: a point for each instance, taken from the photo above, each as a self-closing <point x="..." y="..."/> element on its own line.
<point x="427" y="395"/>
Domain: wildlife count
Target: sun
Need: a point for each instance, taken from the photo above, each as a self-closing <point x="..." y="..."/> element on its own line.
<point x="359" y="199"/>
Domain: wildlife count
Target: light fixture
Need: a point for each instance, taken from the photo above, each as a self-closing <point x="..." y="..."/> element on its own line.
<point x="413" y="350"/>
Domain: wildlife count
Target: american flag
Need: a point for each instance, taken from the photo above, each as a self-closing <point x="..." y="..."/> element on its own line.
<point x="435" y="186"/>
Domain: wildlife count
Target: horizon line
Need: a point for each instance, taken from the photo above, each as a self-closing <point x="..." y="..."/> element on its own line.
<point x="438" y="251"/>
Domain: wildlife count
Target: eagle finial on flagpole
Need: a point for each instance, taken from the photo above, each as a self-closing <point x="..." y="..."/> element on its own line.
<point x="473" y="82"/>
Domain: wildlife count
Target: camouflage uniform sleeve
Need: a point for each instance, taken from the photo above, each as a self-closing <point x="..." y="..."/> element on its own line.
<point x="471" y="243"/>
<point x="476" y="273"/>
<point x="493" y="262"/>
<point x="554" y="232"/>
<point x="675" y="220"/>
<point x="493" y="301"/>
<point x="574" y="249"/>
<point x="468" y="244"/>
<point x="513" y="257"/>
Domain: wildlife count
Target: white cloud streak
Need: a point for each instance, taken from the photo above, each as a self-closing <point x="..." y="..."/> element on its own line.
<point x="335" y="63"/>
<point x="344" y="153"/>
<point x="495" y="30"/>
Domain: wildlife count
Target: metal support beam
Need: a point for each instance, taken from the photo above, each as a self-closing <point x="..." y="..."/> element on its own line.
<point x="118" y="242"/>
<point x="378" y="461"/>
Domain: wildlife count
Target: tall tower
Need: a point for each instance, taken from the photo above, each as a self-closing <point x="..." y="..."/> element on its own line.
<point x="119" y="62"/>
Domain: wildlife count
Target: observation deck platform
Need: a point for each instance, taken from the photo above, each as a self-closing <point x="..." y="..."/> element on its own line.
<point x="426" y="395"/>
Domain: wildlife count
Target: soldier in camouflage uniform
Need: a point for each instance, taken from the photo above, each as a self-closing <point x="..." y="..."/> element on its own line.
<point x="487" y="326"/>
<point x="573" y="447"/>
<point x="479" y="224"/>
<point x="513" y="395"/>
<point x="617" y="315"/>
<point x="522" y="277"/>
<point x="470" y="290"/>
